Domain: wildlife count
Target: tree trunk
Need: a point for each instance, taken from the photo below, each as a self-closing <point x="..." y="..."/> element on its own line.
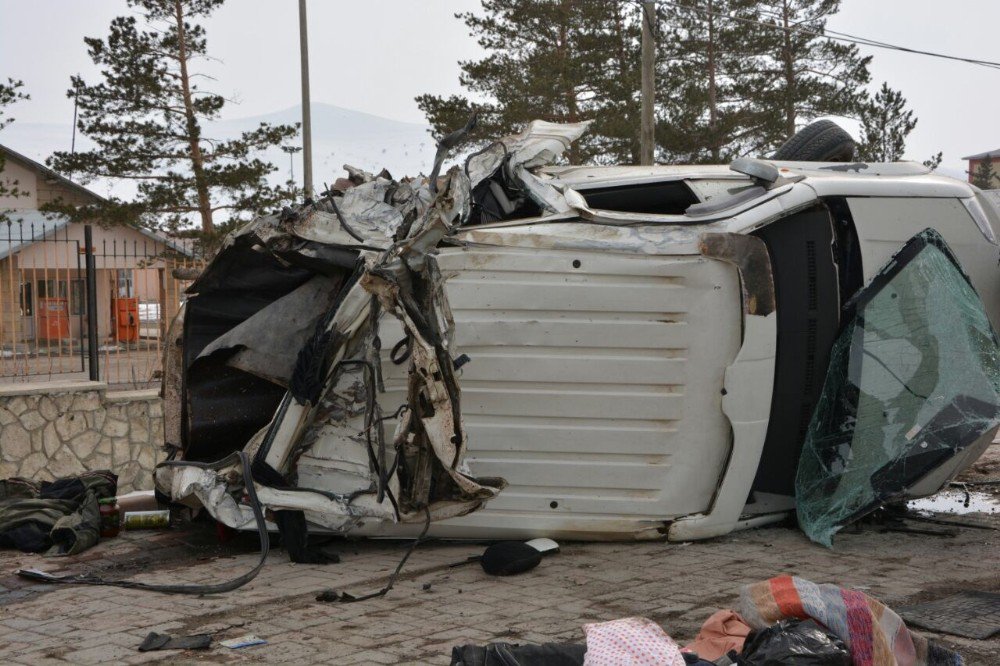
<point x="713" y="102"/>
<point x="789" y="61"/>
<point x="634" y="145"/>
<point x="569" y="95"/>
<point x="193" y="129"/>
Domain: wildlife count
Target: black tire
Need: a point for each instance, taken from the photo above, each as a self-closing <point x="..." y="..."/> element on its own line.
<point x="821" y="141"/>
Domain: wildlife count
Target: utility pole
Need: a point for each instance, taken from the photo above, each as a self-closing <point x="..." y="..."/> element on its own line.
<point x="307" y="166"/>
<point x="646" y="136"/>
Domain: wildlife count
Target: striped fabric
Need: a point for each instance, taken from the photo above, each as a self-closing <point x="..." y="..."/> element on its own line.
<point x="875" y="635"/>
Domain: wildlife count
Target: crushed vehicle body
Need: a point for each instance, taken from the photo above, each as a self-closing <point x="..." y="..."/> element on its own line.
<point x="519" y="349"/>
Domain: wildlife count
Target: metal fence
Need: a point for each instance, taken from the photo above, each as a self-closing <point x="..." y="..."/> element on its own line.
<point x="82" y="302"/>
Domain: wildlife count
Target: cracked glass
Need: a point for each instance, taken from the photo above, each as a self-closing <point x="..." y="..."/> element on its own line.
<point x="913" y="382"/>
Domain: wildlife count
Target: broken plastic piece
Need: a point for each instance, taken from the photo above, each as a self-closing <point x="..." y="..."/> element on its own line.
<point x="243" y="641"/>
<point x="911" y="396"/>
<point x="155" y="641"/>
<point x="543" y="545"/>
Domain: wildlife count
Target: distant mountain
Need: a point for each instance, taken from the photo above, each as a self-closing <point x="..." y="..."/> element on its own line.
<point x="343" y="136"/>
<point x="340" y="136"/>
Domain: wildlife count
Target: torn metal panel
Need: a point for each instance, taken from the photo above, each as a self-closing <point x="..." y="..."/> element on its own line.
<point x="337" y="379"/>
<point x="267" y="344"/>
<point x="511" y="165"/>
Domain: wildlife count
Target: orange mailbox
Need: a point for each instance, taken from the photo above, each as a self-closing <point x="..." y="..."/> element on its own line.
<point x="53" y="318"/>
<point x="125" y="315"/>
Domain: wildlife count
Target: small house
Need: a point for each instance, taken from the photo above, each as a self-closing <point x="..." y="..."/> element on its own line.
<point x="43" y="298"/>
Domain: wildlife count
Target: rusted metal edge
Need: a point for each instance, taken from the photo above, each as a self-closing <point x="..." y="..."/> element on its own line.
<point x="749" y="255"/>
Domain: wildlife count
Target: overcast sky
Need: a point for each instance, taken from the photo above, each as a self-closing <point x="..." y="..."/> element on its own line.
<point x="376" y="55"/>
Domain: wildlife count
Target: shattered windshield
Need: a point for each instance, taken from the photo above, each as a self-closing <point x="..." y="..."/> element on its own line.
<point x="913" y="382"/>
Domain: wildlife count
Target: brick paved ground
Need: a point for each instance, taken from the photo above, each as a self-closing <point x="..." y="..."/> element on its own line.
<point x="677" y="585"/>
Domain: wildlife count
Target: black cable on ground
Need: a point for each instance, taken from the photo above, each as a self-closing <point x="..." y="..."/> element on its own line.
<point x="347" y="597"/>
<point x="217" y="588"/>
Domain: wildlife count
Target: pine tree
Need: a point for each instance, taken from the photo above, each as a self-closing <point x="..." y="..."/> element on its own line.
<point x="809" y="76"/>
<point x="10" y="93"/>
<point x="556" y="60"/>
<point x="886" y="122"/>
<point x="711" y="56"/>
<point x="147" y="116"/>
<point x="935" y="161"/>
<point x="985" y="176"/>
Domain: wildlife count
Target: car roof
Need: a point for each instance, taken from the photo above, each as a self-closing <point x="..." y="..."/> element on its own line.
<point x="827" y="178"/>
<point x="584" y="176"/>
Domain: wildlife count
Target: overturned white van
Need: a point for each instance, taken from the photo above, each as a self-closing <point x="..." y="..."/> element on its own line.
<point x="517" y="349"/>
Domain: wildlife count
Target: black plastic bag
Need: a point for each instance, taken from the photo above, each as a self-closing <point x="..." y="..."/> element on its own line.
<point x="800" y="642"/>
<point x="506" y="654"/>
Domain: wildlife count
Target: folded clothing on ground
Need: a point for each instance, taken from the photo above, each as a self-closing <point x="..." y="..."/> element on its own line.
<point x="722" y="632"/>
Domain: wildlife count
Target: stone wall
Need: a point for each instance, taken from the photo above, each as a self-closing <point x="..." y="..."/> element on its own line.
<point x="61" y="429"/>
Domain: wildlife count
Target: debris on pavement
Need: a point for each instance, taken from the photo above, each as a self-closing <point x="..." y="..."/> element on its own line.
<point x="111" y="518"/>
<point x="506" y="654"/>
<point x="138" y="500"/>
<point x="60" y="517"/>
<point x="784" y="620"/>
<point x="872" y="632"/>
<point x="248" y="640"/>
<point x="543" y="545"/>
<point x="722" y="632"/>
<point x="507" y="558"/>
<point x="155" y="641"/>
<point x="146" y="520"/>
<point x="799" y="642"/>
<point x="633" y="640"/>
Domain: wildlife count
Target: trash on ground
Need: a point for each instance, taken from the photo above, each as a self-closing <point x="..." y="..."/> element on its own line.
<point x="871" y="631"/>
<point x="543" y="545"/>
<point x="957" y="501"/>
<point x="247" y="640"/>
<point x="146" y="520"/>
<point x="506" y="558"/>
<point x="155" y="641"/>
<point x="506" y="654"/>
<point x="60" y="517"/>
<point x="111" y="517"/>
<point x="632" y="640"/>
<point x="799" y="642"/>
<point x="722" y="632"/>
<point x="784" y="620"/>
<point x="138" y="500"/>
<point x="973" y="614"/>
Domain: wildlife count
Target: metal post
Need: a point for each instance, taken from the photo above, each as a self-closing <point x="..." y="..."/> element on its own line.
<point x="307" y="167"/>
<point x="646" y="135"/>
<point x="291" y="150"/>
<point x="91" y="272"/>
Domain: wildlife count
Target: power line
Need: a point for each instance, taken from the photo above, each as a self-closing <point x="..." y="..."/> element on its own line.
<point x="833" y="35"/>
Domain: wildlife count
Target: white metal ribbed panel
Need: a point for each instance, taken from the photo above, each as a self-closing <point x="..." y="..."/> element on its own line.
<point x="594" y="385"/>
